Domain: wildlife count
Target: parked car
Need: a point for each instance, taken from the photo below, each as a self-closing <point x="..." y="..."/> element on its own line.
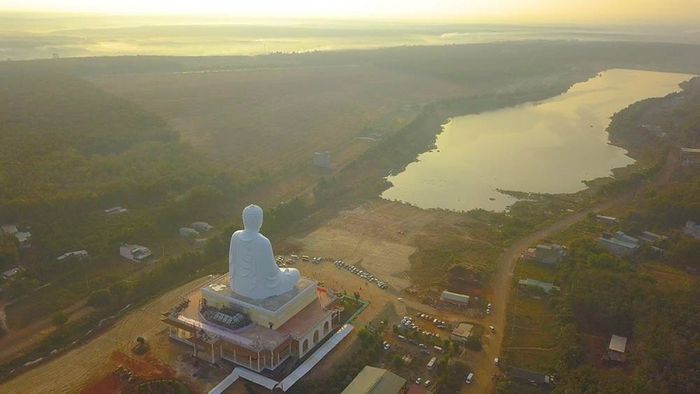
<point x="470" y="377"/>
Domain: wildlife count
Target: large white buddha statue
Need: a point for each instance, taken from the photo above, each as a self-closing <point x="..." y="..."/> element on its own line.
<point x="251" y="263"/>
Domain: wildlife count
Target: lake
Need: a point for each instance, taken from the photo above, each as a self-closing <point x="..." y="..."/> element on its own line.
<point x="550" y="146"/>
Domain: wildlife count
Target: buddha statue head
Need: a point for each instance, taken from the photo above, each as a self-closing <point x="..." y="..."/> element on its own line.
<point x="252" y="218"/>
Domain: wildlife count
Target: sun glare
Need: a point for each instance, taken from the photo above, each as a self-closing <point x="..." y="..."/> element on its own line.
<point x="520" y="11"/>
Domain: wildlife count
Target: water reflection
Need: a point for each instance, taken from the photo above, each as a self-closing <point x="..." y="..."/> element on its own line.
<point x="547" y="147"/>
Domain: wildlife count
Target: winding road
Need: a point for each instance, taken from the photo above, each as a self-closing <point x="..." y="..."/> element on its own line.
<point x="505" y="265"/>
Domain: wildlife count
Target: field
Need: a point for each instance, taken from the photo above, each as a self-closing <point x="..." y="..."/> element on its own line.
<point x="270" y="120"/>
<point x="532" y="328"/>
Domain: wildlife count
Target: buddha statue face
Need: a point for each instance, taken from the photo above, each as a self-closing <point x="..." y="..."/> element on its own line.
<point x="252" y="218"/>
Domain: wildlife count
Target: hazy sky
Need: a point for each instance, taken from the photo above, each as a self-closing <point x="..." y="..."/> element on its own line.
<point x="516" y="11"/>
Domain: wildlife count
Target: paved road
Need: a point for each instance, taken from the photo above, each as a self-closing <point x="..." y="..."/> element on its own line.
<point x="505" y="265"/>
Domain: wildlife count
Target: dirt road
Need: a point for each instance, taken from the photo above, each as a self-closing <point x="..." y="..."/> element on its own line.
<point x="502" y="281"/>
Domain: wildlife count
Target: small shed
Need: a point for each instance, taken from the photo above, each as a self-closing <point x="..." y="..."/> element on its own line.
<point x="609" y="220"/>
<point x="188" y="232"/>
<point x="454" y="298"/>
<point x="550" y="254"/>
<point x="9" y="229"/>
<point x="78" y="254"/>
<point x="372" y="380"/>
<point x="202" y="227"/>
<point x="690" y="156"/>
<point x="12" y="272"/>
<point x="538" y="284"/>
<point x="462" y="332"/>
<point x="136" y="253"/>
<point x="322" y="159"/>
<point x="616" y="349"/>
<point x="692" y="229"/>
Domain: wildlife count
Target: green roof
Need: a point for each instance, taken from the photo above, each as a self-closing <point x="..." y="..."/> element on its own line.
<point x="373" y="380"/>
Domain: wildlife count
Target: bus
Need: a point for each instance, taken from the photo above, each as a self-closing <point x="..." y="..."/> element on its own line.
<point x="431" y="363"/>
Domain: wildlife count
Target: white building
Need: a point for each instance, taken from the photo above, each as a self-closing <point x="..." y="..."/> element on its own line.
<point x="78" y="254"/>
<point x="135" y="253"/>
<point x="12" y="272"/>
<point x="690" y="156"/>
<point x="651" y="238"/>
<point x="692" y="229"/>
<point x="9" y="229"/>
<point x="116" y="210"/>
<point x="609" y="220"/>
<point x="454" y="298"/>
<point x="24" y="238"/>
<point x="188" y="232"/>
<point x="322" y="159"/>
<point x="202" y="227"/>
<point x="616" y="348"/>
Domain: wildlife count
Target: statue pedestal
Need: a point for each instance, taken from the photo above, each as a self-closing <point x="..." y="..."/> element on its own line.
<point x="275" y="310"/>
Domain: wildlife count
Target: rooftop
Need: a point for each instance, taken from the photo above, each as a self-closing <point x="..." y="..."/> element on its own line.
<point x="619" y="242"/>
<point x="252" y="336"/>
<point x="618" y="343"/>
<point x="375" y="381"/>
<point x="463" y="330"/>
<point x="448" y="295"/>
<point x="546" y="286"/>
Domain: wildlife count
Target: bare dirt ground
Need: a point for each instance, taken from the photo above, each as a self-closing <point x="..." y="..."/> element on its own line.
<point x="78" y="369"/>
<point x="378" y="236"/>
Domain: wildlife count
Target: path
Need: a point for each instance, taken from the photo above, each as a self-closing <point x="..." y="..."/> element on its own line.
<point x="505" y="266"/>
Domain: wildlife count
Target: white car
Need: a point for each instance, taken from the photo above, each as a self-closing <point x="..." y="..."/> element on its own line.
<point x="470" y="377"/>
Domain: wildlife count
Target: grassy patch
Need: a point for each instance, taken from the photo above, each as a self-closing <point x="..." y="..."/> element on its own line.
<point x="534" y="270"/>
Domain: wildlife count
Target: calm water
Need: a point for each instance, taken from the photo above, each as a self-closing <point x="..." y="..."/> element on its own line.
<point x="547" y="147"/>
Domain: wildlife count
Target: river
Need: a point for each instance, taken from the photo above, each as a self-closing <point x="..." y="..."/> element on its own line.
<point x="550" y="146"/>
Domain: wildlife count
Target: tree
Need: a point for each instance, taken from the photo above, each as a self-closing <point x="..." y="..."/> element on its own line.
<point x="59" y="319"/>
<point x="9" y="255"/>
<point x="473" y="343"/>
<point x="397" y="361"/>
<point x="119" y="290"/>
<point x="100" y="298"/>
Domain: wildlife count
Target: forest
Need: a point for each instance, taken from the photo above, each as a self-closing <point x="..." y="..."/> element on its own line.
<point x="68" y="151"/>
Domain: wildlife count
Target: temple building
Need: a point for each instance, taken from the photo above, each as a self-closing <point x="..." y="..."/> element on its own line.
<point x="256" y="316"/>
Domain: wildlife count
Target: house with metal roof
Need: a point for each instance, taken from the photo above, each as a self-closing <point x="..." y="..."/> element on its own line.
<point x="372" y="380"/>
<point x="454" y="298"/>
<point x="550" y="254"/>
<point x="616" y="349"/>
<point x="537" y="284"/>
<point x="619" y="244"/>
<point x="462" y="332"/>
